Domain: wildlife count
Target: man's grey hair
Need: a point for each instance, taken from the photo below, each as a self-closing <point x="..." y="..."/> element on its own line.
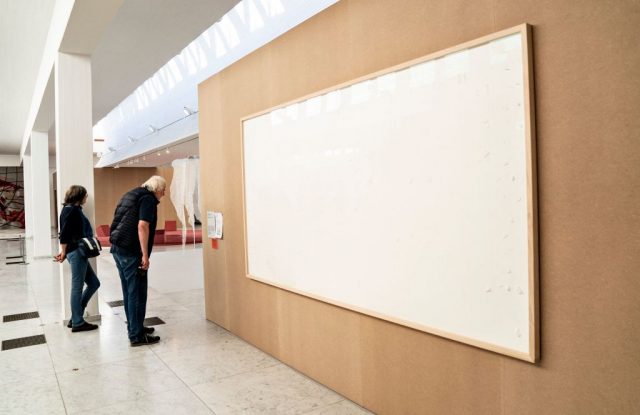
<point x="155" y="184"/>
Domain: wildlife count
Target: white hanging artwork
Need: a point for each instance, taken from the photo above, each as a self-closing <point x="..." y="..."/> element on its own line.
<point x="184" y="192"/>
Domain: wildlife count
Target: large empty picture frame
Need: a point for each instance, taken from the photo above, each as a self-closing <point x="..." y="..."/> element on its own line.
<point x="408" y="195"/>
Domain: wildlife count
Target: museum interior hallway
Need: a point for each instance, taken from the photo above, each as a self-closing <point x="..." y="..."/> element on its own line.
<point x="197" y="368"/>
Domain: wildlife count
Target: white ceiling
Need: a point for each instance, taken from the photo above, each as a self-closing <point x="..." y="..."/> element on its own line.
<point x="24" y="25"/>
<point x="143" y="36"/>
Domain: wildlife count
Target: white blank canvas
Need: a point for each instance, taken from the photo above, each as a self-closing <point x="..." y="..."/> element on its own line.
<point x="404" y="196"/>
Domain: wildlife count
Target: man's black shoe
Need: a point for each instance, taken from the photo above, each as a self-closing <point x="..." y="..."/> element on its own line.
<point x="84" y="327"/>
<point x="69" y="324"/>
<point x="148" y="330"/>
<point x="145" y="340"/>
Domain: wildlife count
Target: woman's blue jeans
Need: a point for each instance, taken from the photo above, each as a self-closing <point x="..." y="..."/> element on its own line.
<point x="81" y="274"/>
<point x="134" y="293"/>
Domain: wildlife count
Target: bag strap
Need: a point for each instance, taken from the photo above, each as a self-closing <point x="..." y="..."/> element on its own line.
<point x="92" y="243"/>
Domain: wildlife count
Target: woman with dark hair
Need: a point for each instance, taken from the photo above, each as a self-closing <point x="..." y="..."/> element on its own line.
<point x="74" y="226"/>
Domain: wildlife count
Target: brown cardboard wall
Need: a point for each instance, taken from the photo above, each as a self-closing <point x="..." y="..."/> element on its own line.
<point x="587" y="78"/>
<point x="110" y="184"/>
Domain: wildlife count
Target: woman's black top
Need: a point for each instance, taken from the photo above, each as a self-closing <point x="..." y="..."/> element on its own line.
<point x="74" y="225"/>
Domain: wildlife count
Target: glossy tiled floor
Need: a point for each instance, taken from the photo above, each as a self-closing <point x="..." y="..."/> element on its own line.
<point x="197" y="368"/>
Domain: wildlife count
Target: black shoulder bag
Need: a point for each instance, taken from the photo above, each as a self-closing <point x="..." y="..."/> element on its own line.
<point x="91" y="246"/>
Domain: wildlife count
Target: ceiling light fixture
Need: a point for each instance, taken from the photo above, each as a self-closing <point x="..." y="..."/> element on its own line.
<point x="167" y="151"/>
<point x="188" y="111"/>
<point x="153" y="129"/>
<point x="111" y="149"/>
<point x="131" y="139"/>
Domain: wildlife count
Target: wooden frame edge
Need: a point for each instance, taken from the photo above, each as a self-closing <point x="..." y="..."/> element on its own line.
<point x="532" y="193"/>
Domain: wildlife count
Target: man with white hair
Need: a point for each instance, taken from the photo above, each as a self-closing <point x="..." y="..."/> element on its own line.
<point x="131" y="237"/>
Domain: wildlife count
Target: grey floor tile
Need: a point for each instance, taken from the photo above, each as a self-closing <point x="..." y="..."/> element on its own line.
<point x="178" y="337"/>
<point x="108" y="384"/>
<point x="22" y="328"/>
<point x="17" y="365"/>
<point x="80" y="350"/>
<point x="174" y="402"/>
<point x="277" y="390"/>
<point x="227" y="356"/>
<point x="33" y="396"/>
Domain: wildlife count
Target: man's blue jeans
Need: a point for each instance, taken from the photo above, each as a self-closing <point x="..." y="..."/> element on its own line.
<point x="81" y="274"/>
<point x="134" y="292"/>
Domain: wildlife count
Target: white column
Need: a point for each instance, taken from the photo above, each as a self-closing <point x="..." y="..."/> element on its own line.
<point x="52" y="194"/>
<point x="28" y="196"/>
<point x="41" y="217"/>
<point x="74" y="147"/>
